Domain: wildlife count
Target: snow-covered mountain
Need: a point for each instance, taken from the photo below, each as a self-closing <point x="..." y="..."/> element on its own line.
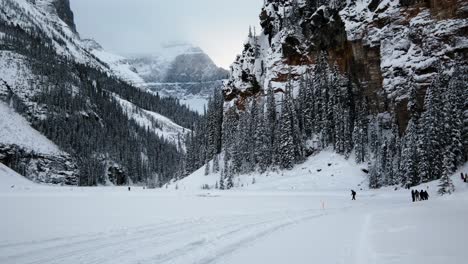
<point x="69" y="93"/>
<point x="182" y="71"/>
<point x="380" y="81"/>
<point x="177" y="62"/>
<point x="119" y="65"/>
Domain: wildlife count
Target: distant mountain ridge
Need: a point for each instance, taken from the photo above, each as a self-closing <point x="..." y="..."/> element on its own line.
<point x="73" y="96"/>
<point x="182" y="71"/>
<point x="177" y="62"/>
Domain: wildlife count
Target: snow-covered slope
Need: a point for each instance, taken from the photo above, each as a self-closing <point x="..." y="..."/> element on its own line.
<point x="160" y="125"/>
<point x="14" y="129"/>
<point x="43" y="16"/>
<point x="9" y="179"/>
<point x="325" y="171"/>
<point x="118" y="64"/>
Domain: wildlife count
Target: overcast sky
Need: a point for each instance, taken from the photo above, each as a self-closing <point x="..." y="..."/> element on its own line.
<point x="219" y="27"/>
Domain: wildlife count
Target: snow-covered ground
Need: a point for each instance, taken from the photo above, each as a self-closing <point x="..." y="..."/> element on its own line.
<point x="323" y="172"/>
<point x="266" y="224"/>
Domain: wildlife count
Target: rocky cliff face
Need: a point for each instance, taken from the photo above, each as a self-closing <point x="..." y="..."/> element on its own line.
<point x="39" y="167"/>
<point x="380" y="44"/>
<point x="65" y="13"/>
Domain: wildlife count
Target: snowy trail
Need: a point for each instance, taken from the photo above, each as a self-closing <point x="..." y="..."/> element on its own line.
<point x="112" y="225"/>
<point x="197" y="240"/>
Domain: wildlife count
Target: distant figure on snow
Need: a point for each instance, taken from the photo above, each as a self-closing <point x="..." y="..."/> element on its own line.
<point x="413" y="195"/>
<point x="417" y="195"/>
<point x="465" y="177"/>
<point x="129" y="188"/>
<point x="353" y="194"/>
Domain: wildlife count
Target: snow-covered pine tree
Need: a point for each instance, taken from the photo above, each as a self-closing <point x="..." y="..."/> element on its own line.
<point x="286" y="153"/>
<point x="409" y="174"/>
<point x="453" y="119"/>
<point x="331" y="101"/>
<point x="254" y="136"/>
<point x="218" y="116"/>
<point x="446" y="185"/>
<point x="210" y="129"/>
<point x="221" y="180"/>
<point x="236" y="154"/>
<point x="216" y="163"/>
<point x="297" y="133"/>
<point x="410" y="156"/>
<point x="360" y="137"/>
<point x="230" y="125"/>
<point x="207" y="168"/>
<point x="271" y="124"/>
<point x="392" y="169"/>
<point x="301" y="105"/>
<point x="348" y="116"/>
<point x="374" y="177"/>
<point x="261" y="141"/>
<point x="244" y="143"/>
<point x="320" y="82"/>
<point x="230" y="182"/>
<point x="307" y="107"/>
<point x="432" y="127"/>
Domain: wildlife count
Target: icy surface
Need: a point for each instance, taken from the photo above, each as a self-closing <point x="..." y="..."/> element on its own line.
<point x="14" y="129"/>
<point x="195" y="103"/>
<point x="42" y="224"/>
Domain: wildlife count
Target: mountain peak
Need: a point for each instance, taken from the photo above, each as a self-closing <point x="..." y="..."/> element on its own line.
<point x="61" y="8"/>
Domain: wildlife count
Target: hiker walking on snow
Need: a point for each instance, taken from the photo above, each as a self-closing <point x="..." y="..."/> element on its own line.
<point x="353" y="194"/>
<point x="417" y="196"/>
<point x="413" y="195"/>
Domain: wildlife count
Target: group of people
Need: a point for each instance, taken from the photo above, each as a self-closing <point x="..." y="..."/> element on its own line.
<point x="419" y="195"/>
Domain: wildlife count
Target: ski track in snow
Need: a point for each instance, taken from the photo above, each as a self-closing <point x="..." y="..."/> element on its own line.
<point x="363" y="250"/>
<point x="202" y="241"/>
<point x="112" y="225"/>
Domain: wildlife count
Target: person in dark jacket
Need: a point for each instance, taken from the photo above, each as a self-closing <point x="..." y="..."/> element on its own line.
<point x="413" y="195"/>
<point x="417" y="195"/>
<point x="353" y="194"/>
